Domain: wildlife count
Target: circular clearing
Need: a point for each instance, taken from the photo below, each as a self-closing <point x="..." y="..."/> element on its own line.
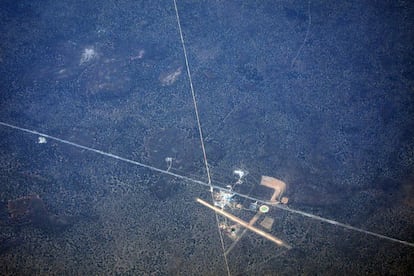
<point x="264" y="209"/>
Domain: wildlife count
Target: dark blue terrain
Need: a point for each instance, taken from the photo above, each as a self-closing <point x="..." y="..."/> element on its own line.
<point x="317" y="94"/>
